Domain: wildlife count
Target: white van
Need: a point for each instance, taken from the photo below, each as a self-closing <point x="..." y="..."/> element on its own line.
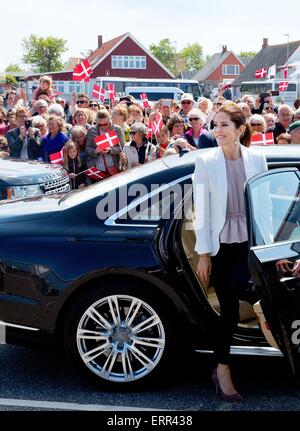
<point x="155" y="93"/>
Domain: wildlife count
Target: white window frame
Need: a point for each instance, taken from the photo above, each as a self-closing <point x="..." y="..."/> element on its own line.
<point x="129" y="62"/>
<point x="237" y="69"/>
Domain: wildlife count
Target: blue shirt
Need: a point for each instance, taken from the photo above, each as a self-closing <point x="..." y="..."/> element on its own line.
<point x="52" y="145"/>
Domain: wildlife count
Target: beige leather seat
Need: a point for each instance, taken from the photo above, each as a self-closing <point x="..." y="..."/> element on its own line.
<point x="247" y="314"/>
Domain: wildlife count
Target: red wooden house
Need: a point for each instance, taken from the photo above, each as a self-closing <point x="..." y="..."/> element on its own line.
<point x="123" y="56"/>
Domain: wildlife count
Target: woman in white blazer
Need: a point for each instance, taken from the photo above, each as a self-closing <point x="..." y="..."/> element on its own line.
<point x="221" y="231"/>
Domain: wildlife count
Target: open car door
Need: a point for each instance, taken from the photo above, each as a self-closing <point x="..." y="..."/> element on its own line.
<point x="273" y="217"/>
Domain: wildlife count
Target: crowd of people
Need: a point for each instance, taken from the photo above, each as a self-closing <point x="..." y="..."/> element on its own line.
<point x="50" y="124"/>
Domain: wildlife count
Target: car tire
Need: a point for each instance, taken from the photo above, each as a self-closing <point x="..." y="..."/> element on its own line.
<point x="120" y="335"/>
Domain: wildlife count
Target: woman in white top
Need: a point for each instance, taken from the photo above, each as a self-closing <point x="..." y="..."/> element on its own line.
<point x="221" y="231"/>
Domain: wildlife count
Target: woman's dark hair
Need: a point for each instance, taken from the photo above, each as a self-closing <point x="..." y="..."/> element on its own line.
<point x="237" y="116"/>
<point x="297" y="103"/>
<point x="176" y="118"/>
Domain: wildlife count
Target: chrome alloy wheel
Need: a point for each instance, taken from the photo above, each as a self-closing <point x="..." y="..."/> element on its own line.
<point x="120" y="338"/>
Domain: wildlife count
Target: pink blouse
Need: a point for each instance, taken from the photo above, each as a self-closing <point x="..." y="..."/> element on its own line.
<point x="235" y="227"/>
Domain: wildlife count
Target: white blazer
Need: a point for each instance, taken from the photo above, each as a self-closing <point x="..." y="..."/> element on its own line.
<point x="210" y="194"/>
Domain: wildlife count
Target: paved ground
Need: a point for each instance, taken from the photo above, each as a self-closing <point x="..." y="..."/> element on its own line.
<point x="35" y="380"/>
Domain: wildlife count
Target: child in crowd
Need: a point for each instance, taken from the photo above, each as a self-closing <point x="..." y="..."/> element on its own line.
<point x="4" y="150"/>
<point x="163" y="139"/>
<point x="284" y="138"/>
<point x="45" y="87"/>
<point x="74" y="165"/>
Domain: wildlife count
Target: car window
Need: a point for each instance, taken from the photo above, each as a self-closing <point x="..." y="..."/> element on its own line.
<point x="153" y="207"/>
<point x="276" y="208"/>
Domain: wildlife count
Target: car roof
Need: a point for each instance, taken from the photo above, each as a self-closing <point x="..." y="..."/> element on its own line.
<point x="273" y="153"/>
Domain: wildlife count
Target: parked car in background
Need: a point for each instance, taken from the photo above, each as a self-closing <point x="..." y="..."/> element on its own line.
<point x="108" y="273"/>
<point x="21" y="179"/>
<point x="155" y="93"/>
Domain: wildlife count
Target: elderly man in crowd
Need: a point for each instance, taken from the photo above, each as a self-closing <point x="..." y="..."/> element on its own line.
<point x="187" y="104"/>
<point x="285" y="117"/>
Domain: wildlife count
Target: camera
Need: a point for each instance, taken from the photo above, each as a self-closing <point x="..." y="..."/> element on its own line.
<point x="28" y="124"/>
<point x="263" y="96"/>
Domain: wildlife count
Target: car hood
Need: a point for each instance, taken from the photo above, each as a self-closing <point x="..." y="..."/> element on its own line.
<point x="26" y="172"/>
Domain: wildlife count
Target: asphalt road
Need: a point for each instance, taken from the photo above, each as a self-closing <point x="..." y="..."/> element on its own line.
<point x="39" y="380"/>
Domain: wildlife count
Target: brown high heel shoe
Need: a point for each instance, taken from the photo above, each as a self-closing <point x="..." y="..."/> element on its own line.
<point x="234" y="398"/>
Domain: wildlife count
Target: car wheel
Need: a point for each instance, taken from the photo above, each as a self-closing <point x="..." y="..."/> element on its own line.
<point x="119" y="336"/>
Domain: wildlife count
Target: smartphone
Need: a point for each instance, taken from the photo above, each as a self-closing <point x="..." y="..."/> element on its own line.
<point x="275" y="93"/>
<point x="28" y="124"/>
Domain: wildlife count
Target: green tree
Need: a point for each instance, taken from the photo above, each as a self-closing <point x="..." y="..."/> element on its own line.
<point x="247" y="54"/>
<point x="44" y="54"/>
<point x="11" y="80"/>
<point x="14" y="68"/>
<point x="192" y="56"/>
<point x="165" y="53"/>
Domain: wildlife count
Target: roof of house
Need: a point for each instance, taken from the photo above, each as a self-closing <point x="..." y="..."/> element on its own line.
<point x="266" y="57"/>
<point x="212" y="64"/>
<point x="101" y="53"/>
<point x="105" y="48"/>
<point x="246" y="60"/>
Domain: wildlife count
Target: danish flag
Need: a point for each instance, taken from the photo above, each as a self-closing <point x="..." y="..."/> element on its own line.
<point x="157" y="124"/>
<point x="57" y="93"/>
<point x="57" y="158"/>
<point x="283" y="86"/>
<point x="82" y="71"/>
<point x="286" y="71"/>
<point x="107" y="140"/>
<point x="262" y="139"/>
<point x="149" y="134"/>
<point x="111" y="91"/>
<point x="94" y="174"/>
<point x="144" y="99"/>
<point x="98" y="93"/>
<point x="261" y="73"/>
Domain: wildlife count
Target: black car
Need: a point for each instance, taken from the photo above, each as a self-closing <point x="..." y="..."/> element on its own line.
<point x="25" y="178"/>
<point x="108" y="272"/>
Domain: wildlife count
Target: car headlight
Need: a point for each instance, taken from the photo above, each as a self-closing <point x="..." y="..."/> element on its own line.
<point x="23" y="191"/>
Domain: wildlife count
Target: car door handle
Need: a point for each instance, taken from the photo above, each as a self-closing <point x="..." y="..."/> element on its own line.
<point x="287" y="279"/>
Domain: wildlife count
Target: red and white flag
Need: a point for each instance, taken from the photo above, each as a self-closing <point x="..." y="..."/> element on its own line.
<point x="149" y="134"/>
<point x="286" y="71"/>
<point x="157" y="124"/>
<point x="98" y="93"/>
<point x="283" y="86"/>
<point x="262" y="139"/>
<point x="111" y="91"/>
<point x="57" y="158"/>
<point x="57" y="93"/>
<point x="144" y="99"/>
<point x="107" y="140"/>
<point x="82" y="71"/>
<point x="261" y="73"/>
<point x="94" y="174"/>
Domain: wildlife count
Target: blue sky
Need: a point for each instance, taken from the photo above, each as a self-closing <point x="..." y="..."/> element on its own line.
<point x="211" y="23"/>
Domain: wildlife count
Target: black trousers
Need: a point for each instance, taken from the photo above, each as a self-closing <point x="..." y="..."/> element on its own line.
<point x="231" y="280"/>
